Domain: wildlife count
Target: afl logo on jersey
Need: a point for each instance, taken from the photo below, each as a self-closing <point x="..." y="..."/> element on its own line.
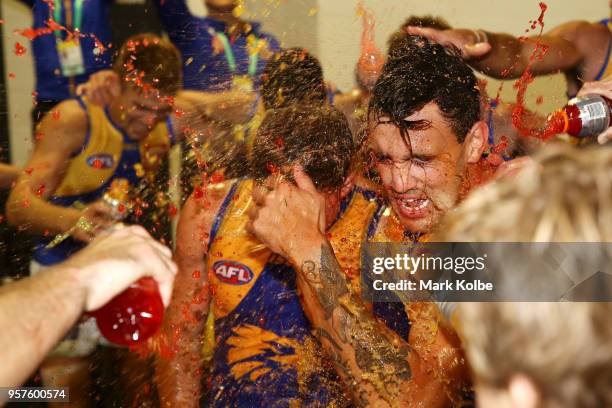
<point x="100" y="161"/>
<point x="233" y="273"/>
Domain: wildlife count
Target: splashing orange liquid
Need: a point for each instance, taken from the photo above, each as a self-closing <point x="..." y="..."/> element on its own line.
<point x="371" y="59"/>
<point x="522" y="84"/>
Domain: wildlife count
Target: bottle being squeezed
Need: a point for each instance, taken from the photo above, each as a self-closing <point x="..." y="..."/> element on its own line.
<point x="581" y="117"/>
<point x="137" y="313"/>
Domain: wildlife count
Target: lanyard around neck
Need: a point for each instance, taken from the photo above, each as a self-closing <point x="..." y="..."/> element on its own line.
<point x="77" y="18"/>
<point x="231" y="59"/>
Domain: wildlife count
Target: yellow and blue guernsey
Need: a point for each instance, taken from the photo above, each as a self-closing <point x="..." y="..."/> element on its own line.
<point x="107" y="154"/>
<point x="265" y="354"/>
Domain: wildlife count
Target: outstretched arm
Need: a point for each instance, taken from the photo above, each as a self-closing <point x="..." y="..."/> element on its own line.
<point x="504" y="56"/>
<point x="36" y="312"/>
<point x="233" y="106"/>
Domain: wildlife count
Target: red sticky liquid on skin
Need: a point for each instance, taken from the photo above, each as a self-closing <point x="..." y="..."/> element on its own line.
<point x="198" y="192"/>
<point x="476" y="175"/>
<point x="41" y="190"/>
<point x="483" y="171"/>
<point x="522" y="84"/>
<point x="133" y="316"/>
<point x="217" y="177"/>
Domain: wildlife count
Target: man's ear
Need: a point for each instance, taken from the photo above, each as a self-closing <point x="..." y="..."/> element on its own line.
<point x="347" y="186"/>
<point x="523" y="392"/>
<point x="476" y="142"/>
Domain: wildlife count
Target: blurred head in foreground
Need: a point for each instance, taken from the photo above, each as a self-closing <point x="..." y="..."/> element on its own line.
<point x="541" y="354"/>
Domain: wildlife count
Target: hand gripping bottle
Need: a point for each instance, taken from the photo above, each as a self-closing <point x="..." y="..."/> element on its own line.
<point x="137" y="313"/>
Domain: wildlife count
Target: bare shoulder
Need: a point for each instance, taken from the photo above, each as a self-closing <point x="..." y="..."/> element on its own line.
<point x="582" y="31"/>
<point x="65" y="126"/>
<point x="199" y="213"/>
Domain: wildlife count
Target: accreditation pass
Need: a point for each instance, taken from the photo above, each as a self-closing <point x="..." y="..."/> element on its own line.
<point x="33" y="394"/>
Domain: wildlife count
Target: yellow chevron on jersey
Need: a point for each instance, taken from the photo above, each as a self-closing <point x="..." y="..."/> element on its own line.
<point x="250" y="341"/>
<point x="104" y="144"/>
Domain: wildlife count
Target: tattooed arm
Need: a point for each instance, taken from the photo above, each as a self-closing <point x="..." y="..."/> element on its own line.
<point x="378" y="366"/>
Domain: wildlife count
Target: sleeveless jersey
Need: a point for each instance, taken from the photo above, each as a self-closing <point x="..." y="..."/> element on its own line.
<point x="265" y="354"/>
<point x="386" y="228"/>
<point x="107" y="154"/>
<point x="606" y="69"/>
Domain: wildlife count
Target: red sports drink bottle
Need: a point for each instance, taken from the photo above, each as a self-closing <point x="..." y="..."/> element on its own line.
<point x="581" y="117"/>
<point x="137" y="313"/>
<point x="132" y="316"/>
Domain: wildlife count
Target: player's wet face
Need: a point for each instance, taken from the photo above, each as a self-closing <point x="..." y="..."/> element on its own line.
<point x="421" y="175"/>
<point x="143" y="111"/>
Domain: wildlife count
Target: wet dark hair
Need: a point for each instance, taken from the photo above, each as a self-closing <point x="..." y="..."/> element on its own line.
<point x="427" y="21"/>
<point x="317" y="137"/>
<point x="292" y="76"/>
<point x="422" y="72"/>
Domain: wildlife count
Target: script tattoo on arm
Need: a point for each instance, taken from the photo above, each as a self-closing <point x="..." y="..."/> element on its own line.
<point x="372" y="359"/>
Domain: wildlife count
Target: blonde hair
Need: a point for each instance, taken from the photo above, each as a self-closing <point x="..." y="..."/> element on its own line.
<point x="565" y="348"/>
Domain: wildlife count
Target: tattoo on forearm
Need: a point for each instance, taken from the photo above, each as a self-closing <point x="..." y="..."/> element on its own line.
<point x="384" y="366"/>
